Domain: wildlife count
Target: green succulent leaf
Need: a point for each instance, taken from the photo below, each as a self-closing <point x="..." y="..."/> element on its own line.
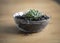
<point x="33" y="14"/>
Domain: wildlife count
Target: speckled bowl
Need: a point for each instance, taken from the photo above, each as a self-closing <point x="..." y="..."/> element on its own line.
<point x="29" y="26"/>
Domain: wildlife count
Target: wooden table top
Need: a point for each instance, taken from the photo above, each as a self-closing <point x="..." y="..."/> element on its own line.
<point x="9" y="32"/>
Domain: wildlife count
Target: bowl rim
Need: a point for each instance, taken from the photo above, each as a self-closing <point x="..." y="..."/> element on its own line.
<point x="30" y="22"/>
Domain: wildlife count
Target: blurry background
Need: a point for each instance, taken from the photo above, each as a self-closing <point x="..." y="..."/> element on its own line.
<point x="9" y="32"/>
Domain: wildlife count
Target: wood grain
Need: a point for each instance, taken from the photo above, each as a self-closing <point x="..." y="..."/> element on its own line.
<point x="9" y="32"/>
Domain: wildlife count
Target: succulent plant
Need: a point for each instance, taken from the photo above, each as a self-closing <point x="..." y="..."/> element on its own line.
<point x="33" y="14"/>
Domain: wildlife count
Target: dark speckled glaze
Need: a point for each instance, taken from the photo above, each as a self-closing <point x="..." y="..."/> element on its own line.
<point x="31" y="26"/>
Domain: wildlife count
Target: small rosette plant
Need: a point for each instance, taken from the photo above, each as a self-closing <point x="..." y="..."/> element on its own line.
<point x="35" y="15"/>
